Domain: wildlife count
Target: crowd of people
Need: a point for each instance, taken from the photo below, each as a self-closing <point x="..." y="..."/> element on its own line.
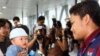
<point x="15" y="40"/>
<point x="82" y="32"/>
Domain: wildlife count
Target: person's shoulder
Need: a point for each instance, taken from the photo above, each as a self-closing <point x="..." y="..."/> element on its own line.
<point x="14" y="48"/>
<point x="23" y="25"/>
<point x="1" y="53"/>
<point x="97" y="39"/>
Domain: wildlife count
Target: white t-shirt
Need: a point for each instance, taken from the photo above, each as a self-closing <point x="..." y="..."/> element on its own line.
<point x="1" y="54"/>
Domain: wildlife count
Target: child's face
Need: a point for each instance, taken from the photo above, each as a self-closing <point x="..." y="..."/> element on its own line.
<point x="21" y="41"/>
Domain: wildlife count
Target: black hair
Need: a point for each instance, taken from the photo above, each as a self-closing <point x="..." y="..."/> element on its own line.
<point x="10" y="25"/>
<point x="59" y="25"/>
<point x="68" y="24"/>
<point x="54" y="22"/>
<point x="16" y="18"/>
<point x="41" y="18"/>
<point x="2" y="22"/>
<point x="87" y="7"/>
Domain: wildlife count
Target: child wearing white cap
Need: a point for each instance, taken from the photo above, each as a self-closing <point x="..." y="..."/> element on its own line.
<point x="19" y="40"/>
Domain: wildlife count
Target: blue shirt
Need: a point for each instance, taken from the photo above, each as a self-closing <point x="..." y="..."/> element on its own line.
<point x="13" y="50"/>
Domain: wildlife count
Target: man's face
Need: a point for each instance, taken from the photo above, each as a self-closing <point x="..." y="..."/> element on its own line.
<point x="4" y="31"/>
<point x="21" y="41"/>
<point x="77" y="27"/>
<point x="16" y="22"/>
<point x="41" y="22"/>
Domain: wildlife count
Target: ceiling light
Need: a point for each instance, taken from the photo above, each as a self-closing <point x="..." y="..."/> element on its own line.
<point x="4" y="7"/>
<point x="0" y="12"/>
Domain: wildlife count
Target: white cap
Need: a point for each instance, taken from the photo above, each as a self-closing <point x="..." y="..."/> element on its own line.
<point x="17" y="32"/>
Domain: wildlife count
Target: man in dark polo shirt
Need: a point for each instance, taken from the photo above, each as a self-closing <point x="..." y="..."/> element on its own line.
<point x="17" y="24"/>
<point x="85" y="20"/>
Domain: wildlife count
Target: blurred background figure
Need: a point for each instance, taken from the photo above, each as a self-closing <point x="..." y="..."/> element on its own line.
<point x="16" y="21"/>
<point x="57" y="40"/>
<point x="40" y="22"/>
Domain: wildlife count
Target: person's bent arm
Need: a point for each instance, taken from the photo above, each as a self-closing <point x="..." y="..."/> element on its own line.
<point x="32" y="42"/>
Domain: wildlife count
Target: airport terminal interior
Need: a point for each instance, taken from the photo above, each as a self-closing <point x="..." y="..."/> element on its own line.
<point x="29" y="11"/>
